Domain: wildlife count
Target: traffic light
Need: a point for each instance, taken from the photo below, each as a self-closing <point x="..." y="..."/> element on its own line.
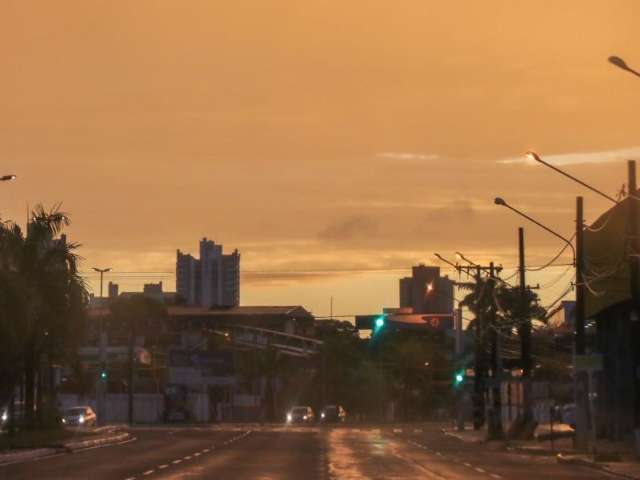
<point x="458" y="378"/>
<point x="103" y="372"/>
<point x="379" y="322"/>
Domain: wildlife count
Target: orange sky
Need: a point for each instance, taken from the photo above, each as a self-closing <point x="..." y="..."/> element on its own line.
<point x="323" y="135"/>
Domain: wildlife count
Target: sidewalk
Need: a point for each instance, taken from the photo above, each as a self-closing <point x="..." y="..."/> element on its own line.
<point x="614" y="458"/>
<point x="102" y="437"/>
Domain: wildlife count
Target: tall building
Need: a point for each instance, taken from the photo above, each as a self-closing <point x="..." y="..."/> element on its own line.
<point x="426" y="291"/>
<point x="113" y="290"/>
<point x="213" y="280"/>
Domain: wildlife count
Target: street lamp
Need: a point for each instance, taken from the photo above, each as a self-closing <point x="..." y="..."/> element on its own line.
<point x="7" y="178"/>
<point x="622" y="65"/>
<point x="101" y="271"/>
<point x="535" y="157"/>
<point x="501" y="201"/>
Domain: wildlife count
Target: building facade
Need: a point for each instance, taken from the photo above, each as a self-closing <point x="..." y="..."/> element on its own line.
<point x="213" y="280"/>
<point x="426" y="291"/>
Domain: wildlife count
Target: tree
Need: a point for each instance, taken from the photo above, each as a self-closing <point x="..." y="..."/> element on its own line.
<point x="42" y="302"/>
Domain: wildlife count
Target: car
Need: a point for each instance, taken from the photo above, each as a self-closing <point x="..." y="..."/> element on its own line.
<point x="301" y="415"/>
<point x="80" y="416"/>
<point x="333" y="414"/>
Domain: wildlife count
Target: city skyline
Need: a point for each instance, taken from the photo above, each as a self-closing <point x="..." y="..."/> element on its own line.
<point x="333" y="158"/>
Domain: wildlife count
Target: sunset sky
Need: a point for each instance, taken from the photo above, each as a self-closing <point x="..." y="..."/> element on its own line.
<point x="334" y="143"/>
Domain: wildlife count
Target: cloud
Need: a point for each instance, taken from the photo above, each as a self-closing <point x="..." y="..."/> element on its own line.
<point x="605" y="156"/>
<point x="409" y="157"/>
<point x="351" y="228"/>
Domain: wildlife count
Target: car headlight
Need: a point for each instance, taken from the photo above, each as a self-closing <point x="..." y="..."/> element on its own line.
<point x="304" y="417"/>
<point x="288" y="417"/>
<point x="322" y="415"/>
<point x="64" y="420"/>
<point x="5" y="416"/>
<point x="81" y="419"/>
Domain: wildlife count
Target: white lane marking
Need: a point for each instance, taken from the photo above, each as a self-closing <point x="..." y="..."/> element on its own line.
<point x="467" y="464"/>
<point x="188" y="457"/>
<point x="206" y="450"/>
<point x="130" y="478"/>
<point x="494" y="475"/>
<point x="148" y="472"/>
<point x="439" y="454"/>
<point x="177" y="461"/>
<point x="164" y="465"/>
<point x="479" y="470"/>
<point x="197" y="454"/>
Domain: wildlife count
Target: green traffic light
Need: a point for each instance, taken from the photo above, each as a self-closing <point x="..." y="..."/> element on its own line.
<point x="103" y="375"/>
<point x="459" y="378"/>
<point x="379" y="322"/>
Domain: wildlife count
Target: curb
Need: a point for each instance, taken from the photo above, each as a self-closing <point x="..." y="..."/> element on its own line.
<point x="593" y="465"/>
<point x="98" y="442"/>
<point x="26" y="455"/>
<point x="72" y="447"/>
<point x="459" y="437"/>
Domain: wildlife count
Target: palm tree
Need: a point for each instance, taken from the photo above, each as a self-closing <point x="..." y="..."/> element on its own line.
<point x="43" y="304"/>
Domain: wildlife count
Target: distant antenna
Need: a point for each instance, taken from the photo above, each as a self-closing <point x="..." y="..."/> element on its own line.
<point x="331" y="308"/>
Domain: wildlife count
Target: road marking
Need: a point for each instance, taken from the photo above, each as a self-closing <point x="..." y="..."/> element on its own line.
<point x="417" y="430"/>
<point x="160" y="467"/>
<point x="495" y="475"/>
<point x="479" y="470"/>
<point x="176" y="461"/>
<point x="130" y="478"/>
<point x="188" y="457"/>
<point x="439" y="454"/>
<point x="197" y="454"/>
<point x="467" y="464"/>
<point x="148" y="472"/>
<point x="206" y="450"/>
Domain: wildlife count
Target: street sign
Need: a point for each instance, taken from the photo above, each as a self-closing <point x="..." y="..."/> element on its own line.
<point x="591" y="362"/>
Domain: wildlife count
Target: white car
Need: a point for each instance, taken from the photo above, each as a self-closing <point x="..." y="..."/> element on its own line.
<point x="80" y="416"/>
<point x="301" y="415"/>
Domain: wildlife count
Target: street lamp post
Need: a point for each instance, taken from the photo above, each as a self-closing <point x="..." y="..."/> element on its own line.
<point x="621" y="64"/>
<point x="102" y="355"/>
<point x="580" y="392"/>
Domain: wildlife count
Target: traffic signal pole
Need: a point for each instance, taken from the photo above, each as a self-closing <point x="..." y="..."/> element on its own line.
<point x="459" y="352"/>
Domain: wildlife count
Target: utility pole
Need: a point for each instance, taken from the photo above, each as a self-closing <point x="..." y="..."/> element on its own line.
<point x="580" y="387"/>
<point x="495" y="426"/>
<point x="479" y="368"/>
<point x="525" y="336"/>
<point x="634" y="273"/>
<point x="132" y="333"/>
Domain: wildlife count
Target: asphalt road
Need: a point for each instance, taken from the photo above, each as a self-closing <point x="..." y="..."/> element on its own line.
<point x="252" y="452"/>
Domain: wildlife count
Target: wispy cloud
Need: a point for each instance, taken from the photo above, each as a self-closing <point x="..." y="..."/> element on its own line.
<point x="408" y="157"/>
<point x="605" y="156"/>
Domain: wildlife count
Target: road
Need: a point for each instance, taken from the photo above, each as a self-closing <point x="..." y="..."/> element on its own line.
<point x="272" y="452"/>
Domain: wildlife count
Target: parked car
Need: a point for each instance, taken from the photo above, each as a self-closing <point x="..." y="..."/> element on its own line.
<point x="301" y="415"/>
<point x="80" y="416"/>
<point x="333" y="414"/>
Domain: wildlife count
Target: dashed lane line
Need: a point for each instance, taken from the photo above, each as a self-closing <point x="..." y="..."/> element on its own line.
<point x="175" y="462"/>
<point x="494" y="475"/>
<point x="480" y="470"/>
<point x="148" y="472"/>
<point x="164" y="465"/>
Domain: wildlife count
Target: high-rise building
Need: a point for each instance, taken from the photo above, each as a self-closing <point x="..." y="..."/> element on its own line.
<point x="211" y="281"/>
<point x="426" y="291"/>
<point x="113" y="290"/>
